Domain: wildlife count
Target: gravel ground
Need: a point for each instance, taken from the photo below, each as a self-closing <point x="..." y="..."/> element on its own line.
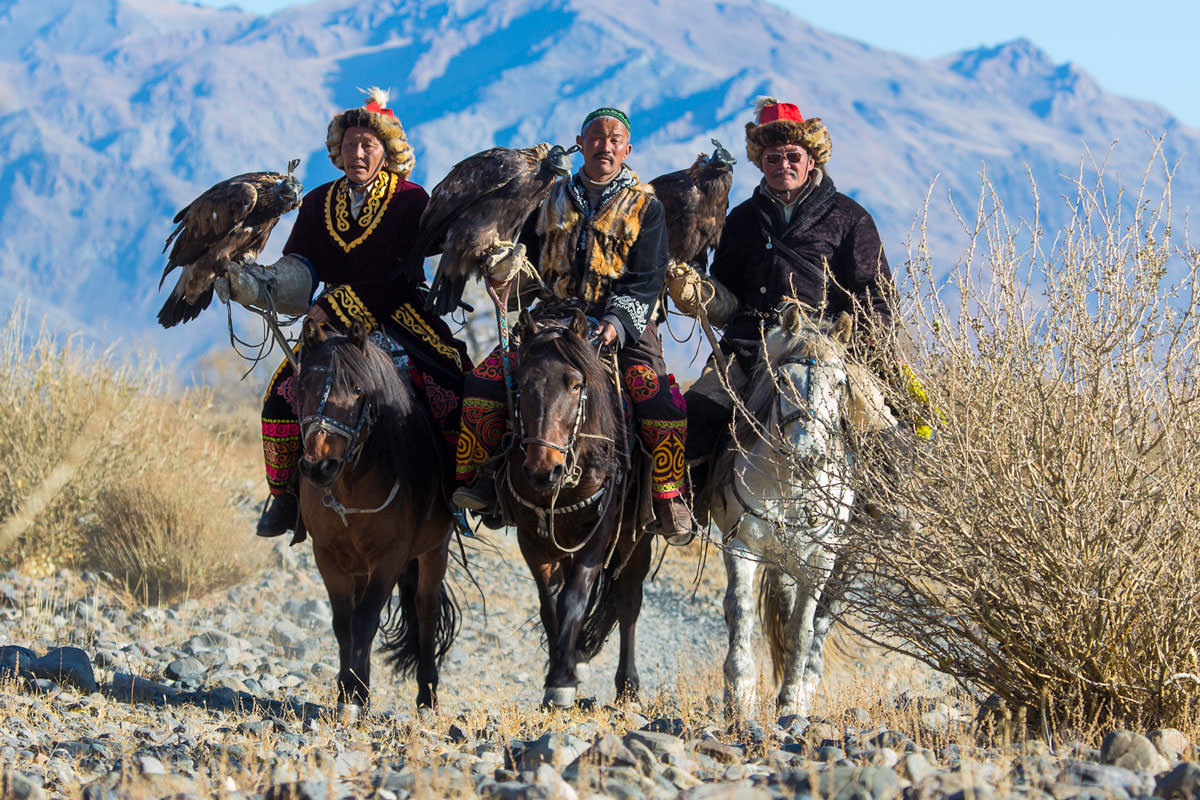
<point x="231" y="695"/>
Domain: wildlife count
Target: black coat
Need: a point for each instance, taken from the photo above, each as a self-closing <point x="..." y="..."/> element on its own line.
<point x="762" y="259"/>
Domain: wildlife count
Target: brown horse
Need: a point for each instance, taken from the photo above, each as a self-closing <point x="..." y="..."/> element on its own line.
<point x="374" y="471"/>
<point x="568" y="485"/>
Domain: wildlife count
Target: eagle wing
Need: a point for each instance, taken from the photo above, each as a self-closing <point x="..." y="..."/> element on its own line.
<point x="207" y="221"/>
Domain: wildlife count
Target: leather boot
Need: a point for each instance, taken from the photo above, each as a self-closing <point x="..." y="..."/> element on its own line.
<point x="479" y="495"/>
<point x="279" y="516"/>
<point x="674" y="520"/>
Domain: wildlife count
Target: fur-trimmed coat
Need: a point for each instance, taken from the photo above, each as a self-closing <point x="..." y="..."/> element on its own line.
<point x="613" y="257"/>
<point x="762" y="258"/>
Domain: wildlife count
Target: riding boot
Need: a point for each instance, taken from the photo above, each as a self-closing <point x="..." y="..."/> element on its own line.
<point x="479" y="495"/>
<point x="674" y="520"/>
<point x="280" y="515"/>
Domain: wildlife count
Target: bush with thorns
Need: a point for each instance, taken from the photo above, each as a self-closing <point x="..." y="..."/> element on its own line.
<point x="1046" y="543"/>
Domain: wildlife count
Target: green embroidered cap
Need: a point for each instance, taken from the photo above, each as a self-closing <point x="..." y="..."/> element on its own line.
<point x="615" y="113"/>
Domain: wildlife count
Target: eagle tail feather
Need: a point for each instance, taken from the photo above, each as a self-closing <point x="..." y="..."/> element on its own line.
<point x="177" y="309"/>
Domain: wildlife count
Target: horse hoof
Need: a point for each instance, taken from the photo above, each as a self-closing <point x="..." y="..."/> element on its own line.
<point x="559" y="697"/>
<point x="349" y="712"/>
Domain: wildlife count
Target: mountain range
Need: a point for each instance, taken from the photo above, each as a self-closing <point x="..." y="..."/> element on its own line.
<point x="115" y="113"/>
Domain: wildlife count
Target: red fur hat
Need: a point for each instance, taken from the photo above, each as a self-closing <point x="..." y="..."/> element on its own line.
<point x="777" y="123"/>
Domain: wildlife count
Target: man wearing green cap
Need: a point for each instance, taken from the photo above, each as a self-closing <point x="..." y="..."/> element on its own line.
<point x="600" y="238"/>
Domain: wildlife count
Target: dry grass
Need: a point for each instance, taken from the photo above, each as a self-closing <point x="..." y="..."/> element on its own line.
<point x="1050" y="555"/>
<point x="105" y="466"/>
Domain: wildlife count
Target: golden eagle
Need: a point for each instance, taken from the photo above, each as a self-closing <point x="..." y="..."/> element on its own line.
<point x="229" y="222"/>
<point x="484" y="199"/>
<point x="696" y="200"/>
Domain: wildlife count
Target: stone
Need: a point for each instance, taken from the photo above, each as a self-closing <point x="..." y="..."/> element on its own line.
<point x="135" y="689"/>
<point x="14" y="659"/>
<point x="719" y="751"/>
<point x="556" y="749"/>
<point x="661" y="744"/>
<point x="845" y="783"/>
<point x="1181" y="783"/>
<point x="1132" y="751"/>
<point x="19" y="786"/>
<point x="608" y="751"/>
<point x="743" y="790"/>
<point x="68" y="666"/>
<point x="915" y="767"/>
<point x="672" y="725"/>
<point x="297" y="790"/>
<point x="185" y="670"/>
<point x="1172" y="744"/>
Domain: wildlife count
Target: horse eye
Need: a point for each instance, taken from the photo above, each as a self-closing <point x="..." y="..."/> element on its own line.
<point x="577" y="388"/>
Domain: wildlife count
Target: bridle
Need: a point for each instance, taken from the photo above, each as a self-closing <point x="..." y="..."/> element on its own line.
<point x="803" y="411"/>
<point x="571" y="469"/>
<point x="320" y="421"/>
<point x="355" y="437"/>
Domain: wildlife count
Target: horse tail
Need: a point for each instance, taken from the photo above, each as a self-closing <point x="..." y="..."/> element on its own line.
<point x="600" y="617"/>
<point x="400" y="632"/>
<point x="771" y="614"/>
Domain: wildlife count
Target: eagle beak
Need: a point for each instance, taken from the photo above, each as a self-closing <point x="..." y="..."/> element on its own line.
<point x="721" y="156"/>
<point x="560" y="161"/>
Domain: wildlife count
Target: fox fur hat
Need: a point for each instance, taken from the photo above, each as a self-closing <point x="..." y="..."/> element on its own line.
<point x="777" y="123"/>
<point x="376" y="116"/>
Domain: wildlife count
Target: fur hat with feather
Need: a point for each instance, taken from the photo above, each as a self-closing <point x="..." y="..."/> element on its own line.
<point x="777" y="123"/>
<point x="376" y="116"/>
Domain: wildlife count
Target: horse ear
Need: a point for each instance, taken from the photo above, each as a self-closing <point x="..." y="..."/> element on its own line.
<point x="790" y="319"/>
<point x="313" y="332"/>
<point x="843" y="329"/>
<point x="527" y="322"/>
<point x="579" y="324"/>
<point x="358" y="334"/>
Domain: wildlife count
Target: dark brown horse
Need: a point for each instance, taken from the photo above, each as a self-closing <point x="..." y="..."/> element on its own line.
<point x="569" y="488"/>
<point x="373" y="471"/>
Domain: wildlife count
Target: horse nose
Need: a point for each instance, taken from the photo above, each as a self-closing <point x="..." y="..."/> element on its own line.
<point x="544" y="479"/>
<point x="322" y="472"/>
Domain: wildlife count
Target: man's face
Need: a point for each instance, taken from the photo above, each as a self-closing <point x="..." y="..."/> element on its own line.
<point x="362" y="154"/>
<point x="605" y="145"/>
<point x="786" y="166"/>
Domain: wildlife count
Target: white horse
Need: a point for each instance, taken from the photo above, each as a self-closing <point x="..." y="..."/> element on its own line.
<point x="784" y="508"/>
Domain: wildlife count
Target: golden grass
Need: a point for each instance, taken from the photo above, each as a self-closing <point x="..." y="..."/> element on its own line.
<point x="105" y="464"/>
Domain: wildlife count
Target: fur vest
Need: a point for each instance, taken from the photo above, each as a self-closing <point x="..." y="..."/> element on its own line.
<point x="582" y="255"/>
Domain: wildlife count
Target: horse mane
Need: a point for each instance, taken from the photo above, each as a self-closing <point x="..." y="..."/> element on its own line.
<point x="602" y="404"/>
<point x="401" y="427"/>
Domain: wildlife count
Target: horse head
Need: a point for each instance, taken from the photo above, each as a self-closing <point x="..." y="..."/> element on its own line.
<point x="559" y="381"/>
<point x="336" y="408"/>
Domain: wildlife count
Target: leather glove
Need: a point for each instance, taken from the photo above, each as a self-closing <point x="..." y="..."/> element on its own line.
<point x="692" y="292"/>
<point x="285" y="286"/>
<point x="504" y="261"/>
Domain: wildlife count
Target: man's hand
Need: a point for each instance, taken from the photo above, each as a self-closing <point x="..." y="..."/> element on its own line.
<point x="606" y="334"/>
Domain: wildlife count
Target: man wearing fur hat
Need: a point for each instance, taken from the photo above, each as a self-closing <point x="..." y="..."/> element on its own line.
<point x="799" y="237"/>
<point x="600" y="238"/>
<point x="350" y="235"/>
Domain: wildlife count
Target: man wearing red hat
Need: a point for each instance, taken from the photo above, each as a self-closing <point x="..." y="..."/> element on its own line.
<point x="349" y="235"/>
<point x="799" y="237"/>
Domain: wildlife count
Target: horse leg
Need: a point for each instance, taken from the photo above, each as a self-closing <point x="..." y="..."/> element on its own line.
<point x="354" y="677"/>
<point x="561" y="680"/>
<point x="798" y="608"/>
<point x="802" y="633"/>
<point x="741" y="676"/>
<point x="431" y="571"/>
<point x="627" y="593"/>
<point x="829" y="606"/>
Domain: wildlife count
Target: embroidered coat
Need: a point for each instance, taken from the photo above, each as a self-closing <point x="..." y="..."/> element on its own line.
<point x="355" y="258"/>
<point x="613" y="257"/>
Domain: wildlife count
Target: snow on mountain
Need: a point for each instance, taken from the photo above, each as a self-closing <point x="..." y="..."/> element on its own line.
<point x="115" y="113"/>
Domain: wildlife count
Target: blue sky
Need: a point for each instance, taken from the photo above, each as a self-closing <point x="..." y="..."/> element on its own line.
<point x="1145" y="50"/>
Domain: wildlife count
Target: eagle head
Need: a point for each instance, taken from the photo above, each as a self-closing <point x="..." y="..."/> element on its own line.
<point x="721" y="158"/>
<point x="289" y="188"/>
<point x="558" y="159"/>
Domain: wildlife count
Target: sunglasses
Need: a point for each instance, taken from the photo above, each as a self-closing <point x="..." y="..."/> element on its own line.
<point x="793" y="157"/>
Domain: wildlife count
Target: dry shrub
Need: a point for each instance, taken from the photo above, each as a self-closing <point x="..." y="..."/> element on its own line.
<point x="161" y="542"/>
<point x="79" y="432"/>
<point x="1049" y="555"/>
